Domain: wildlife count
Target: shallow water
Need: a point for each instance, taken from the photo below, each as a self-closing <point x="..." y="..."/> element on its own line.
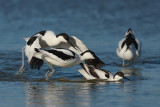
<point x="100" y="25"/>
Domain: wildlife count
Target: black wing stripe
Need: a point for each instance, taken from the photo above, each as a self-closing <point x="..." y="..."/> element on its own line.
<point x="31" y="40"/>
<point x="97" y="63"/>
<point x="136" y="45"/>
<point x="106" y="72"/>
<point x="61" y="55"/>
<point x="84" y="68"/>
<point x="42" y="33"/>
<point x="92" y="72"/>
<point x="123" y="44"/>
<point x="129" y="40"/>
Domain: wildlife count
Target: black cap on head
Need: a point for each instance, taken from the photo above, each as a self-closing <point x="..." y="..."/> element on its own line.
<point x="130" y="33"/>
<point x="121" y="74"/>
<point x="129" y="29"/>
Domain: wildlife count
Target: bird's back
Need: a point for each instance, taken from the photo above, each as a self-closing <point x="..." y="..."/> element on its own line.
<point x="60" y="57"/>
<point x="32" y="43"/>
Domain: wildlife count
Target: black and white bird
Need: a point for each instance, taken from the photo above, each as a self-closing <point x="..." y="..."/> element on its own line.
<point x="45" y="39"/>
<point x="129" y="48"/>
<point x="41" y="39"/>
<point x="91" y="73"/>
<point x="61" y="57"/>
<point x="80" y="47"/>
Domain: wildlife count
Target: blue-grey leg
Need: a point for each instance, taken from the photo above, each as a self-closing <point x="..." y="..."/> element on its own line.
<point x="48" y="74"/>
<point x="22" y="68"/>
<point x="123" y="62"/>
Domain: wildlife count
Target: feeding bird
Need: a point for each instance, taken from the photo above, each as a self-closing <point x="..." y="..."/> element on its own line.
<point x="129" y="48"/>
<point x="91" y="73"/>
<point x="41" y="39"/>
<point x="45" y="39"/>
<point x="61" y="57"/>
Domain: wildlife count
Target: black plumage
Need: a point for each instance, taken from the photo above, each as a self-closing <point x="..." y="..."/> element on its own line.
<point x="128" y="41"/>
<point x="106" y="72"/>
<point x="65" y="36"/>
<point x="36" y="63"/>
<point x="121" y="74"/>
<point x="84" y="68"/>
<point x="61" y="55"/>
<point x="42" y="33"/>
<point x="31" y="40"/>
<point x="97" y="63"/>
<point x="92" y="72"/>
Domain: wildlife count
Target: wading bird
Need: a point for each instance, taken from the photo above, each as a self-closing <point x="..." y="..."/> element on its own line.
<point x="129" y="48"/>
<point x="41" y="39"/>
<point x="61" y="57"/>
<point x="45" y="38"/>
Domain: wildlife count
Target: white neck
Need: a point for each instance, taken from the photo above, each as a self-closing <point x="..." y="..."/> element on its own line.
<point x="117" y="78"/>
<point x="60" y="39"/>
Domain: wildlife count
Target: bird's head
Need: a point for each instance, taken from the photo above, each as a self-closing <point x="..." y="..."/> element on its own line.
<point x="119" y="75"/>
<point x="130" y="32"/>
<point x="65" y="38"/>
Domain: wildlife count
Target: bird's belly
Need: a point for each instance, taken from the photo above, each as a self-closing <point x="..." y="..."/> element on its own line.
<point x="62" y="63"/>
<point x="128" y="55"/>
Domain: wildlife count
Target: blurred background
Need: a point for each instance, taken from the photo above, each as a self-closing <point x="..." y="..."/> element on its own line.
<point x="100" y="25"/>
<point x="97" y="23"/>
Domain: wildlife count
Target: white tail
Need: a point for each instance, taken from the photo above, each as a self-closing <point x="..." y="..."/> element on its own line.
<point x="26" y="39"/>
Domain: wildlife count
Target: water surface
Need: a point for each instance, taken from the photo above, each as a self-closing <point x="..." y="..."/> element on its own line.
<point x="100" y="25"/>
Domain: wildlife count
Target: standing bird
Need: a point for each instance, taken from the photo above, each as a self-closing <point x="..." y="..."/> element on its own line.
<point x="90" y="73"/>
<point x="41" y="39"/>
<point x="129" y="48"/>
<point x="61" y="57"/>
<point x="45" y="38"/>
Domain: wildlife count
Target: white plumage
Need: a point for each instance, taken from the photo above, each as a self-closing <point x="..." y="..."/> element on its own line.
<point x="77" y="43"/>
<point x="41" y="39"/>
<point x="45" y="39"/>
<point x="61" y="58"/>
<point x="29" y="49"/>
<point x="129" y="48"/>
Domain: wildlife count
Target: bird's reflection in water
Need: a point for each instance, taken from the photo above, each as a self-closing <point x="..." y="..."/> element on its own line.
<point x="64" y="93"/>
<point x="135" y="72"/>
